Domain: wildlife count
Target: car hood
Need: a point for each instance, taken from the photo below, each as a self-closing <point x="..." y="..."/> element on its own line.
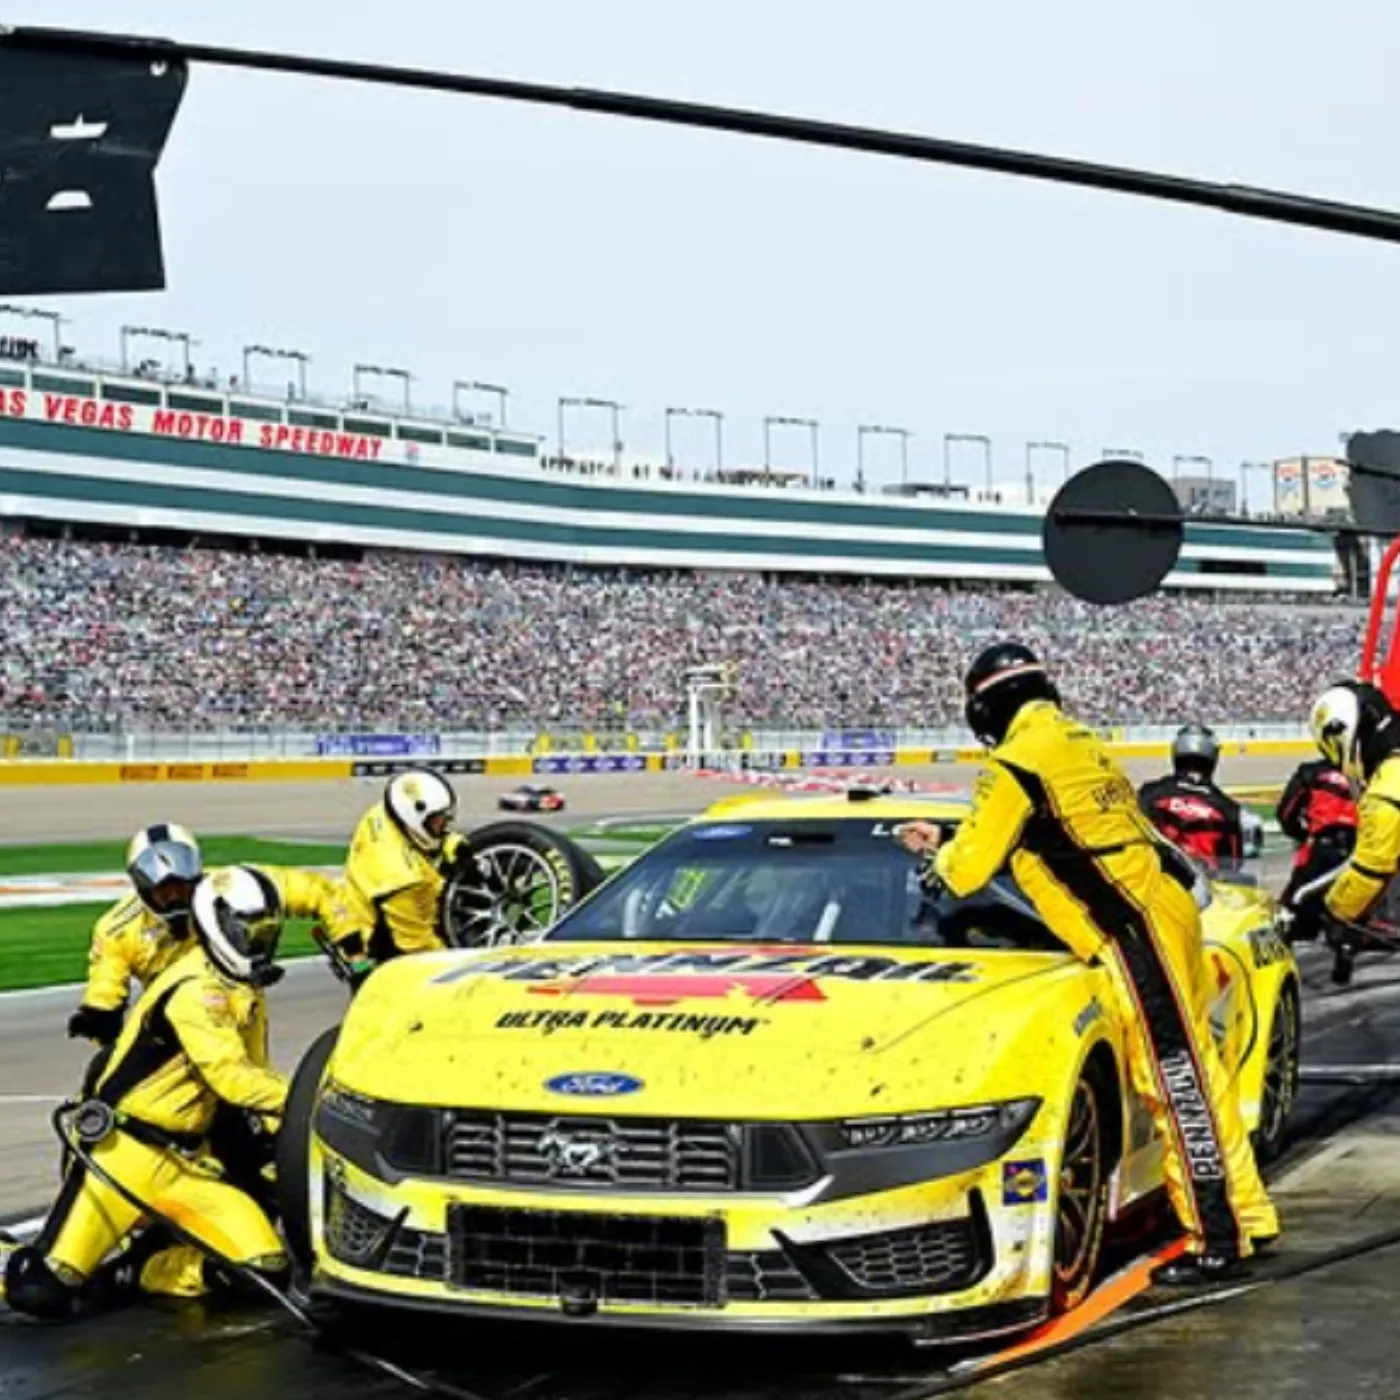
<point x="698" y="1030"/>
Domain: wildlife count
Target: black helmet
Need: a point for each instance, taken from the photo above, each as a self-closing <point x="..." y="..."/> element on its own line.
<point x="1195" y="750"/>
<point x="1004" y="677"/>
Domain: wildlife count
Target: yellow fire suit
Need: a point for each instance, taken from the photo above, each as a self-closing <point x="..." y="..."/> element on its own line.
<point x="194" y="1041"/>
<point x="130" y="944"/>
<point x="1066" y="816"/>
<point x="392" y="890"/>
<point x="1376" y="856"/>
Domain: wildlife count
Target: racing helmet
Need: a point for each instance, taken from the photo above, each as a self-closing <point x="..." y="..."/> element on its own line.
<point x="164" y="864"/>
<point x="1353" y="726"/>
<point x="1003" y="678"/>
<point x="423" y="806"/>
<point x="1195" y="752"/>
<point x="237" y="916"/>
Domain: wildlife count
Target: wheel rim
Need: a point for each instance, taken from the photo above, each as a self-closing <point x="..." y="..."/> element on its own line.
<point x="1277" y="1100"/>
<point x="515" y="897"/>
<point x="1081" y="1182"/>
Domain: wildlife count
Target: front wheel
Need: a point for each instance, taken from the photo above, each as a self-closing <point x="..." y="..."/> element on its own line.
<point x="525" y="878"/>
<point x="1081" y="1200"/>
<point x="1280" y="1091"/>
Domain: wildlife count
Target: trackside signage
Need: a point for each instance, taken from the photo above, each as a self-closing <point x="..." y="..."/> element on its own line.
<point x="69" y="410"/>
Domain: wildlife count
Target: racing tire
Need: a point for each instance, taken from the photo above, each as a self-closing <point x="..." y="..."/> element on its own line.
<point x="1081" y="1196"/>
<point x="1279" y="1092"/>
<point x="293" y="1153"/>
<point x="530" y="876"/>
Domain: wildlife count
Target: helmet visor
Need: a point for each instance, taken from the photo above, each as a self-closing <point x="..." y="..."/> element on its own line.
<point x="165" y="875"/>
<point x="254" y="937"/>
<point x="438" y="825"/>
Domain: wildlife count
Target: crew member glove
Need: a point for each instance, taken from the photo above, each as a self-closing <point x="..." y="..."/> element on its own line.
<point x="93" y="1023"/>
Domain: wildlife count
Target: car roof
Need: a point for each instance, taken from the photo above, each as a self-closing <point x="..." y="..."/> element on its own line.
<point x="901" y="806"/>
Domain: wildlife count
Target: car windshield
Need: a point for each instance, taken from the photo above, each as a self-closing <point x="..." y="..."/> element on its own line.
<point x="797" y="882"/>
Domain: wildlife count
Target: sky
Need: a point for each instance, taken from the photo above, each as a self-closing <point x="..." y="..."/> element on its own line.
<point x="561" y="253"/>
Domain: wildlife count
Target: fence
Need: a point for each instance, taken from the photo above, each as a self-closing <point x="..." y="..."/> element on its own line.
<point x="233" y="746"/>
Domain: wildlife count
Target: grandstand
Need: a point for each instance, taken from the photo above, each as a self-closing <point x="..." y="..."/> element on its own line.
<point x="184" y="554"/>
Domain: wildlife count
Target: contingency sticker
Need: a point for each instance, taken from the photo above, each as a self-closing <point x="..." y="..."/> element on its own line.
<point x="1024" y="1182"/>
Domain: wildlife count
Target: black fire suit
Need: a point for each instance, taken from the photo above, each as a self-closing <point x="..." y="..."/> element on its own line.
<point x="1196" y="816"/>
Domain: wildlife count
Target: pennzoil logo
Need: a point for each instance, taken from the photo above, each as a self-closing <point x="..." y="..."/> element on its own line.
<point x="663" y="979"/>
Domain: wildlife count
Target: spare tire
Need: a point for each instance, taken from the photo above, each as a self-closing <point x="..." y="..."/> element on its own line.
<point x="526" y="878"/>
<point x="294" y="1149"/>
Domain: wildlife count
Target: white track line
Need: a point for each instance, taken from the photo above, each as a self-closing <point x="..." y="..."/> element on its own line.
<point x="15" y="1100"/>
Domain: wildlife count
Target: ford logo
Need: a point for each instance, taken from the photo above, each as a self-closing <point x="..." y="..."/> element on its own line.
<point x="593" y="1085"/>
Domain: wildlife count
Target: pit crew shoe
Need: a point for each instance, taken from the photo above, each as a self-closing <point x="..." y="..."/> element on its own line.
<point x="1198" y="1270"/>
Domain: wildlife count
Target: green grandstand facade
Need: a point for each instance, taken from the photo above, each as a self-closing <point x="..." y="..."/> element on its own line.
<point x="94" y="458"/>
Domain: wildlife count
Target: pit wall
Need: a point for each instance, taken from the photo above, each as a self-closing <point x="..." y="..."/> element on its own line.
<point x="55" y="772"/>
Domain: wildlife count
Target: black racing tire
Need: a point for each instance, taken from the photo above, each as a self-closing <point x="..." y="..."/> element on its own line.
<point x="534" y="876"/>
<point x="1081" y="1195"/>
<point x="293" y="1155"/>
<point x="1279" y="1093"/>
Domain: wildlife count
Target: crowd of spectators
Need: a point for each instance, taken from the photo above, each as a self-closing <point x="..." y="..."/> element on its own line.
<point x="139" y="637"/>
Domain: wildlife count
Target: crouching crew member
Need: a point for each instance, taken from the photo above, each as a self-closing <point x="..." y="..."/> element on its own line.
<point x="196" y="1040"/>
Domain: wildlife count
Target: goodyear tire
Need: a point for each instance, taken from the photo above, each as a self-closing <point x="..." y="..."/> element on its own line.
<point x="526" y="877"/>
<point x="294" y="1149"/>
<point x="1081" y="1196"/>
<point x="1279" y="1092"/>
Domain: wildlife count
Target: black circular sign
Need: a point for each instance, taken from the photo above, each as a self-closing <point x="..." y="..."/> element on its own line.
<point x="1113" y="532"/>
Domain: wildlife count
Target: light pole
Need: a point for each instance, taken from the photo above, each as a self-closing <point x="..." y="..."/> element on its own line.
<point x="712" y="413"/>
<point x="34" y="313"/>
<point x="1178" y="461"/>
<point x="385" y="373"/>
<point x="1122" y="454"/>
<point x="877" y="429"/>
<point x="156" y="333"/>
<point x="475" y="386"/>
<point x="273" y="353"/>
<point x="1033" y="447"/>
<point x="950" y="438"/>
<point x="780" y="421"/>
<point x="614" y="408"/>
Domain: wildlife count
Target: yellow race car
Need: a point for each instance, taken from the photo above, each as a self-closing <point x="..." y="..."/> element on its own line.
<point x="762" y="1078"/>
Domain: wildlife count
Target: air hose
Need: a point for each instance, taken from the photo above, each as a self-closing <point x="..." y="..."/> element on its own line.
<point x="312" y="1329"/>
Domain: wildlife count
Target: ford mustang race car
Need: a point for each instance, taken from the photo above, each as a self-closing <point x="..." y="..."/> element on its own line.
<point x="763" y="1077"/>
<point x="531" y="797"/>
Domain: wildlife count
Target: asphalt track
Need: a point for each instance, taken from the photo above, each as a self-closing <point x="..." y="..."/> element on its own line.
<point x="1328" y="1332"/>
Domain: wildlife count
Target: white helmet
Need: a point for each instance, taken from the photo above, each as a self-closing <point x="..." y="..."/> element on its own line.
<point x="1346" y="721"/>
<point x="237" y="916"/>
<point x="164" y="865"/>
<point x="423" y="805"/>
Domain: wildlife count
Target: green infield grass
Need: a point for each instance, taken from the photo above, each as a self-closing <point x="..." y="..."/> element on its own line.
<point x="49" y="947"/>
<point x="109" y="857"/>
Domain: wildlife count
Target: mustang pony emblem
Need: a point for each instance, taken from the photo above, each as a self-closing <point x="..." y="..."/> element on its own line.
<point x="577" y="1154"/>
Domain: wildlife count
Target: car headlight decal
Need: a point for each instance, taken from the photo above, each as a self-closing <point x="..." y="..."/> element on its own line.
<point x="940" y="1125"/>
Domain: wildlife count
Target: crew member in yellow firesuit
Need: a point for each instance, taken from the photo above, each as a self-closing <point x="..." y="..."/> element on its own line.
<point x="1357" y="730"/>
<point x="144" y="933"/>
<point x="401" y="858"/>
<point x="1054" y="804"/>
<point x="196" y="1039"/>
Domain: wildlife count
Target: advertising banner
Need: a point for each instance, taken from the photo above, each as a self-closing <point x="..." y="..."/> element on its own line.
<point x="378" y="745"/>
<point x="848" y="758"/>
<point x="446" y="766"/>
<point x="591" y="763"/>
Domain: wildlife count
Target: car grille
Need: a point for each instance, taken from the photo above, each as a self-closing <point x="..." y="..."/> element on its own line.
<point x="639" y="1154"/>
<point x="766" y="1277"/>
<point x="605" y="1258"/>
<point x="356" y="1235"/>
<point x="940" y="1258"/>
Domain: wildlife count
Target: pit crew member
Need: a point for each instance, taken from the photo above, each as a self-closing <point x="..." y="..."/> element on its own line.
<point x="1054" y="804"/>
<point x="1318" y="812"/>
<point x="196" y="1039"/>
<point x="1356" y="729"/>
<point x="1193" y="813"/>
<point x="401" y="858"/>
<point x="143" y="932"/>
